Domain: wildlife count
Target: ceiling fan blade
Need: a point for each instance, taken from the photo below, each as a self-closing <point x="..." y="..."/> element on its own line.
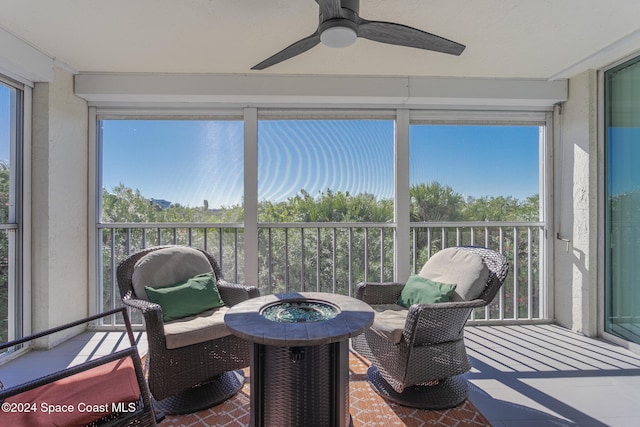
<point x="296" y="48"/>
<point x="402" y="35"/>
<point x="330" y="9"/>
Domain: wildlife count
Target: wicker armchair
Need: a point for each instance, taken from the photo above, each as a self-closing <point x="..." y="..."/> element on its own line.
<point x="193" y="362"/>
<point x="418" y="354"/>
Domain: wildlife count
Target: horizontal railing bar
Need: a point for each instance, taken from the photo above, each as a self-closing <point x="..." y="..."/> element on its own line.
<point x="456" y="224"/>
<point x="107" y="225"/>
<point x="327" y="225"/>
<point x="469" y="224"/>
<point x="324" y="247"/>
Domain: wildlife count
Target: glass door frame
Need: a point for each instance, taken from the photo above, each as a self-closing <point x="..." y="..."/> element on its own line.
<point x="602" y="206"/>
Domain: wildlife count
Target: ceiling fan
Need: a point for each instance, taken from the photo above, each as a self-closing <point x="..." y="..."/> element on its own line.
<point x="340" y="25"/>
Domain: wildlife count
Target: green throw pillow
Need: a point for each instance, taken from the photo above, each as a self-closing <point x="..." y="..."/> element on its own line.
<point x="192" y="296"/>
<point x="419" y="290"/>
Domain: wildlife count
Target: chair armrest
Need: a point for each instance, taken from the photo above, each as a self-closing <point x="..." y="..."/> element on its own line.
<point x="151" y="311"/>
<point x="140" y="304"/>
<point x="234" y="293"/>
<point x="441" y="322"/>
<point x="452" y="305"/>
<point x="379" y="293"/>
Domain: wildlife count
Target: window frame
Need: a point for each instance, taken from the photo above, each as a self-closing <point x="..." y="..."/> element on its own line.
<point x="544" y="120"/>
<point x="96" y="115"/>
<point x="404" y="117"/>
<point x="18" y="225"/>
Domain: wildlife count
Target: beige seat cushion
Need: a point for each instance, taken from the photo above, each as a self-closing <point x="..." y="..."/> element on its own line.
<point x="389" y="321"/>
<point x="166" y="267"/>
<point x="205" y="326"/>
<point x="458" y="267"/>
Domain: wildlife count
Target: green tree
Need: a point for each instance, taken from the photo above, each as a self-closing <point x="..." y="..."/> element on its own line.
<point x="328" y="207"/>
<point x="123" y="204"/>
<point x="127" y="205"/>
<point x="4" y="246"/>
<point x="491" y="208"/>
<point x="530" y="209"/>
<point x="435" y="202"/>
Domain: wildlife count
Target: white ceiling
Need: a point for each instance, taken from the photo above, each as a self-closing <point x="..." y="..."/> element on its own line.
<point x="543" y="39"/>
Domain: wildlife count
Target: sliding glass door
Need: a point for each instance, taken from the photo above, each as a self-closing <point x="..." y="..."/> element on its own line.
<point x="622" y="210"/>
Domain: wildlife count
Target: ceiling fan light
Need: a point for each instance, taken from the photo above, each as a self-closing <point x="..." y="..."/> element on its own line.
<point x="338" y="36"/>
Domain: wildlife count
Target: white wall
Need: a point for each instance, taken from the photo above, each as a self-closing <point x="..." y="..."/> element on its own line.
<point x="59" y="204"/>
<point x="575" y="148"/>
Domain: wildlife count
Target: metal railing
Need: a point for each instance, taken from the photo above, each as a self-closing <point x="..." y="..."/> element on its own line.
<point x="324" y="257"/>
<point x="334" y="257"/>
<point x="522" y="296"/>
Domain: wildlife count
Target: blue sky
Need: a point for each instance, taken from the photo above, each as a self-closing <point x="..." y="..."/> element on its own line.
<point x="189" y="161"/>
<point x="477" y="160"/>
<point x="316" y="155"/>
<point x="5" y="103"/>
<point x="180" y="161"/>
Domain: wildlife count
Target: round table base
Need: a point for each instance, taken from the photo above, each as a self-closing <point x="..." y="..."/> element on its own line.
<point x="300" y="386"/>
<point x="202" y="396"/>
<point x="448" y="393"/>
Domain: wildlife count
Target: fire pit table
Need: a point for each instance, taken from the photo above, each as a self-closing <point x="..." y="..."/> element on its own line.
<point x="300" y="355"/>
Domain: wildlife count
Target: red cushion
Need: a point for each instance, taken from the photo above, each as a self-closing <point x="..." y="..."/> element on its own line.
<point x="76" y="400"/>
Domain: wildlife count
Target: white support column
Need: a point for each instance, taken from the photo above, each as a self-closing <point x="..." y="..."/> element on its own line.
<point x="251" y="196"/>
<point x="94" y="184"/>
<point x="547" y="238"/>
<point x="402" y="198"/>
<point x="575" y="290"/>
<point x="60" y="210"/>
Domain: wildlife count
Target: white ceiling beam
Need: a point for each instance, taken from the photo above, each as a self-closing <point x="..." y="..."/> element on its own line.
<point x="486" y="92"/>
<point x="252" y="90"/>
<point x="615" y="51"/>
<point x="23" y="62"/>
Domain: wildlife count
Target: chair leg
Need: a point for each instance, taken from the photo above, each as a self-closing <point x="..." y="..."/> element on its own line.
<point x="447" y="393"/>
<point x="202" y="396"/>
